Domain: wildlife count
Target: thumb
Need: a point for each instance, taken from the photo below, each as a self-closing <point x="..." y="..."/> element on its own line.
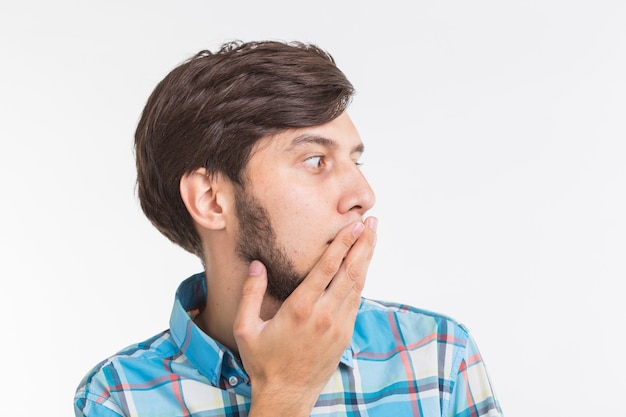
<point x="252" y="294"/>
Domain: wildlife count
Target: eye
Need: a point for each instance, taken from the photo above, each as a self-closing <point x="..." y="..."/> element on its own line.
<point x="315" y="161"/>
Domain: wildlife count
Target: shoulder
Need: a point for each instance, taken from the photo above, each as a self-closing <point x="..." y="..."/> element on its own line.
<point x="370" y="307"/>
<point x="408" y="324"/>
<point x="111" y="378"/>
<point x="156" y="348"/>
<point x="368" y="304"/>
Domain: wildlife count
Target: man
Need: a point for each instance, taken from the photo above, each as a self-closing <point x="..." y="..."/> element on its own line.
<point x="247" y="158"/>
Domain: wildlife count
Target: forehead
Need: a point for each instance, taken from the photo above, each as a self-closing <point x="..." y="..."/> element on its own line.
<point x="339" y="135"/>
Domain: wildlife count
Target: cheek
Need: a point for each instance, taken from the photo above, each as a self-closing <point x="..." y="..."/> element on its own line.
<point x="298" y="231"/>
<point x="303" y="230"/>
<point x="302" y="219"/>
<point x="297" y="212"/>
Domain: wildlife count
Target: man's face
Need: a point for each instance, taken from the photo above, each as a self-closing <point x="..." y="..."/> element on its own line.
<point x="302" y="187"/>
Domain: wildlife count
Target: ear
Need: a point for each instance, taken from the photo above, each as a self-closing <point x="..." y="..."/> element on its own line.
<point x="205" y="197"/>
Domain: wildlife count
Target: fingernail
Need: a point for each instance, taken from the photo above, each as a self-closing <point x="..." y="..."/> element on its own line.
<point x="358" y="229"/>
<point x="373" y="223"/>
<point x="255" y="268"/>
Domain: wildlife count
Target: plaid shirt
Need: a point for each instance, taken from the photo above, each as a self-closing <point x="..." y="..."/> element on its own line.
<point x="401" y="362"/>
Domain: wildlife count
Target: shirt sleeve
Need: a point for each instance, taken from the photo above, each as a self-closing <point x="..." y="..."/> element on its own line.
<point x="87" y="408"/>
<point x="473" y="395"/>
<point x="93" y="395"/>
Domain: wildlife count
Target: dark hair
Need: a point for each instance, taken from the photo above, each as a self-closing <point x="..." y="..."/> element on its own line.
<point x="211" y="110"/>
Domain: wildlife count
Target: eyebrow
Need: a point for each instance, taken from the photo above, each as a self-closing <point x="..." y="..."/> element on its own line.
<point x="303" y="140"/>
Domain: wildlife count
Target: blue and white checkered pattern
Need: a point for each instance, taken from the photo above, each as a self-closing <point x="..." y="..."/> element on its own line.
<point x="402" y="362"/>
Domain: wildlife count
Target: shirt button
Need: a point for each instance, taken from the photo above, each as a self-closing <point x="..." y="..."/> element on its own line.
<point x="233" y="380"/>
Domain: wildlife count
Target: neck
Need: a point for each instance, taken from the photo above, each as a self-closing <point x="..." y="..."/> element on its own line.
<point x="224" y="284"/>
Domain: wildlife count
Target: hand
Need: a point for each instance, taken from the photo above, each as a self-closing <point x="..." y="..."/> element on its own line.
<point x="292" y="356"/>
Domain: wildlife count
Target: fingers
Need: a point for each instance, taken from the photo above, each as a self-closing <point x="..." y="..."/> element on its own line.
<point x="252" y="295"/>
<point x="327" y="267"/>
<point x="350" y="279"/>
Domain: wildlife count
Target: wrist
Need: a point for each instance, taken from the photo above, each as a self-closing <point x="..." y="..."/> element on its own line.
<point x="281" y="402"/>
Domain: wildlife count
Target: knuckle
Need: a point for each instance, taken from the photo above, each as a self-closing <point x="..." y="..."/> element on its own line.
<point x="301" y="312"/>
<point x="355" y="302"/>
<point x="342" y="336"/>
<point x="329" y="266"/>
<point x="249" y="288"/>
<point x="239" y="330"/>
<point x="347" y="241"/>
<point x="353" y="271"/>
<point x="324" y="322"/>
<point x="358" y="287"/>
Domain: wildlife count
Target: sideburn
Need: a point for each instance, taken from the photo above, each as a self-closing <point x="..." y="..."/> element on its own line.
<point x="257" y="240"/>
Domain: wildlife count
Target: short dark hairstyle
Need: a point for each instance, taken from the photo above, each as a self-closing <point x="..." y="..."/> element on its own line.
<point x="211" y="110"/>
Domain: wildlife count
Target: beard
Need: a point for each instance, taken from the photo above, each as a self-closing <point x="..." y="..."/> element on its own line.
<point x="257" y="240"/>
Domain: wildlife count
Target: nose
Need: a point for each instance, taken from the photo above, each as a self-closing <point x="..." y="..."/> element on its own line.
<point x="356" y="193"/>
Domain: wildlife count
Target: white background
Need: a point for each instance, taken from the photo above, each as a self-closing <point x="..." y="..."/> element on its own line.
<point x="495" y="135"/>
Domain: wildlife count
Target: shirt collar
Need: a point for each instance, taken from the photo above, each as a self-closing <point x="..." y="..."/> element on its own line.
<point x="204" y="352"/>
